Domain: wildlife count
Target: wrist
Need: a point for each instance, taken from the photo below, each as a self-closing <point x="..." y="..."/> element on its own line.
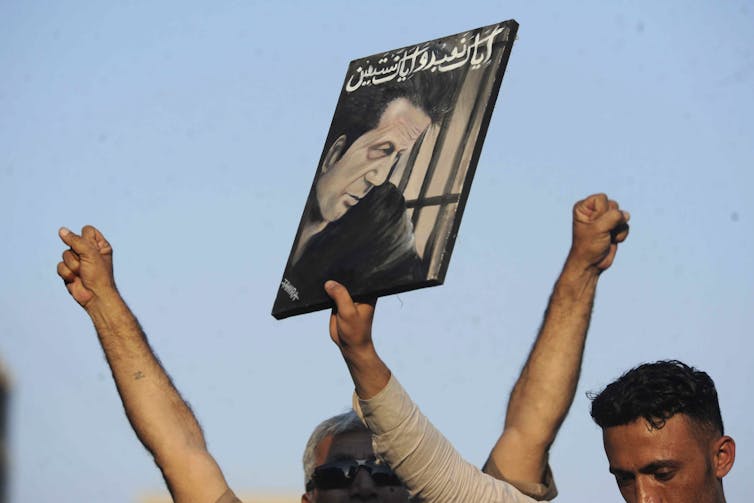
<point x="103" y="302"/>
<point x="577" y="278"/>
<point x="578" y="266"/>
<point x="370" y="376"/>
<point x="362" y="355"/>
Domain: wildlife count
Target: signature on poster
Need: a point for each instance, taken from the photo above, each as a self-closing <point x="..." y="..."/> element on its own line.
<point x="475" y="51"/>
<point x="291" y="290"/>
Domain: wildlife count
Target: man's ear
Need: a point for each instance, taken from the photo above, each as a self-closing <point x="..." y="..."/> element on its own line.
<point x="305" y="498"/>
<point x="334" y="153"/>
<point x="725" y="455"/>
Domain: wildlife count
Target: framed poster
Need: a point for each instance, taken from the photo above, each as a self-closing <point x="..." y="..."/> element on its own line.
<point x="388" y="194"/>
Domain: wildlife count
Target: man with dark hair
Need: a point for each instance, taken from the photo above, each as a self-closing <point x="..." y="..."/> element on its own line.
<point x="663" y="434"/>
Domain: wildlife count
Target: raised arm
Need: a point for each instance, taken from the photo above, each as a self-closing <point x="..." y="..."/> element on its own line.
<point x="160" y="417"/>
<point x="545" y="389"/>
<point x="430" y="468"/>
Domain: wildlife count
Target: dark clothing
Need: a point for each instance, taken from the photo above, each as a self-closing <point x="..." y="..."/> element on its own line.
<point x="369" y="249"/>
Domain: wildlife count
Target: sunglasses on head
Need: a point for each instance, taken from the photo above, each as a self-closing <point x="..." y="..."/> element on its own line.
<point x="340" y="474"/>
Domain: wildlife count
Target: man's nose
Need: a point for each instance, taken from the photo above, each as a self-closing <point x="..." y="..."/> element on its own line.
<point x="378" y="174"/>
<point x="645" y="493"/>
<point x="363" y="486"/>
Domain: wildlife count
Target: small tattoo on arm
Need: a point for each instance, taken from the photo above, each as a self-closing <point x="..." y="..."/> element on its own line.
<point x="138" y="375"/>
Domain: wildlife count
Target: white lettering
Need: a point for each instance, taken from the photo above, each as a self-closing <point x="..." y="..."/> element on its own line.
<point x="288" y="288"/>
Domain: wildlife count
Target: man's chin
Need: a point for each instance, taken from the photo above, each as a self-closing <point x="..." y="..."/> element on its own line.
<point x="344" y="205"/>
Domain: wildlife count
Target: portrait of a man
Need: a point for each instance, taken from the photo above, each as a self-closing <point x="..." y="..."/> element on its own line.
<point x="392" y="123"/>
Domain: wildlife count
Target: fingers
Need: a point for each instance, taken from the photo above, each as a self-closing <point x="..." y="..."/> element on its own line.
<point x="90" y="240"/>
<point x="71" y="260"/>
<point x="620" y="232"/>
<point x="614" y="220"/>
<point x="605" y="213"/>
<point x="95" y="237"/>
<point x="590" y="208"/>
<point x="599" y="225"/>
<point x="78" y="244"/>
<point x="66" y="273"/>
<point x="600" y="203"/>
<point x="594" y="202"/>
<point x="89" y="233"/>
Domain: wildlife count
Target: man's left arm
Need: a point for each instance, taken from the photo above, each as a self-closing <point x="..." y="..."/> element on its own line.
<point x="543" y="394"/>
<point x="160" y="417"/>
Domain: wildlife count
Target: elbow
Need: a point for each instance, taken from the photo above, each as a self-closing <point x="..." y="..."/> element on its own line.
<point x="535" y="437"/>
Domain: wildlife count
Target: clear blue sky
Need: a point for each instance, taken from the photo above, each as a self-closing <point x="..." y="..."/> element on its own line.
<point x="189" y="133"/>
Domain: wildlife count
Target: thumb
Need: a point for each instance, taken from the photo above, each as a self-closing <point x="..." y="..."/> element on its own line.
<point x="339" y="294"/>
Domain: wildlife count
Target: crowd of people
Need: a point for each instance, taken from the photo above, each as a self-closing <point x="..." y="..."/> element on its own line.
<point x="661" y="423"/>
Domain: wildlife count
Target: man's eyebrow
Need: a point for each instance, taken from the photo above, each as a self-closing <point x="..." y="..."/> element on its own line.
<point x="618" y="471"/>
<point x="649" y="468"/>
<point x="659" y="465"/>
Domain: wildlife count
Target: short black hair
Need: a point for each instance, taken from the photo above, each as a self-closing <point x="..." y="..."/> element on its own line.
<point x="433" y="92"/>
<point x="656" y="392"/>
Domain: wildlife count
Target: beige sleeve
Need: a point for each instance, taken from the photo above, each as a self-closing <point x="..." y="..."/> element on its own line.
<point x="431" y="469"/>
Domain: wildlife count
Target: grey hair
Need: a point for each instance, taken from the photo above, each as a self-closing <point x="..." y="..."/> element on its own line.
<point x="336" y="425"/>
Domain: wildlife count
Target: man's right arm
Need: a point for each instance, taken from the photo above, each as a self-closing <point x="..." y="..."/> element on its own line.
<point x="160" y="417"/>
<point x="545" y="389"/>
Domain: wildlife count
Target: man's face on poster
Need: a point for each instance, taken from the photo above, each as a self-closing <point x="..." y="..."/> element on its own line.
<point x="347" y="177"/>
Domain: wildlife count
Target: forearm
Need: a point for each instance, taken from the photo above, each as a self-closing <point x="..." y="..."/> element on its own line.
<point x="543" y="394"/>
<point x="163" y="422"/>
<point x="158" y="414"/>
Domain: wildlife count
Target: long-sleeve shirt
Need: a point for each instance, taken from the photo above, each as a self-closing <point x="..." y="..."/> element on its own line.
<point x="426" y="462"/>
